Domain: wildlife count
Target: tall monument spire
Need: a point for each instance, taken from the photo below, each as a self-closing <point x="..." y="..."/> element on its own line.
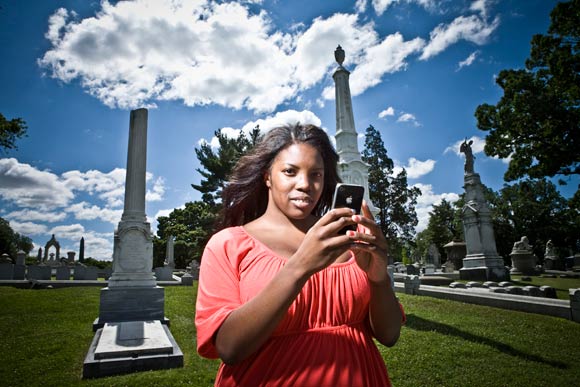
<point x="352" y="169"/>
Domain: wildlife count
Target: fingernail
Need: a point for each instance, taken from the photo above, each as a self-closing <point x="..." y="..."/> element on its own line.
<point x="350" y="233"/>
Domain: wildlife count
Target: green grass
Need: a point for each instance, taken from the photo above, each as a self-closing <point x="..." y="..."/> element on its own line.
<point x="45" y="335"/>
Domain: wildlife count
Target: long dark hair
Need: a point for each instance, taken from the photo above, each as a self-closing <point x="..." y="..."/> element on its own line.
<point x="245" y="196"/>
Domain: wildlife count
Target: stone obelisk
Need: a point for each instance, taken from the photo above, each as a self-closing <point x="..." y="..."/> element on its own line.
<point x="352" y="169"/>
<point x="133" y="293"/>
<point x="482" y="262"/>
<point x="131" y="330"/>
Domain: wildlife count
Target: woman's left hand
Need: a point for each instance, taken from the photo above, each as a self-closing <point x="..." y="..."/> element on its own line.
<point x="370" y="247"/>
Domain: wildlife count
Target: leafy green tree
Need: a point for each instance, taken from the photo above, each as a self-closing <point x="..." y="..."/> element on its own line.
<point x="10" y="131"/>
<point x="11" y="242"/>
<point x="191" y="228"/>
<point x="537" y="121"/>
<point x="218" y="164"/>
<point x="389" y="193"/>
<point x="536" y="209"/>
<point x="442" y="227"/>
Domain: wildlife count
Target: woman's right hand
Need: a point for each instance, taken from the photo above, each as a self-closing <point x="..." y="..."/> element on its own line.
<point x="323" y="244"/>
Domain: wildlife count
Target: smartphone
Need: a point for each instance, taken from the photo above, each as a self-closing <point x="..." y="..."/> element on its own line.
<point x="348" y="195"/>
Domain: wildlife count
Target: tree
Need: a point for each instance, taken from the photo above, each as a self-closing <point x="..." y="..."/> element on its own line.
<point x="10" y="131"/>
<point x="11" y="242"/>
<point x="191" y="228"/>
<point x="443" y="227"/>
<point x="391" y="194"/>
<point x="537" y="121"/>
<point x="217" y="165"/>
<point x="536" y="209"/>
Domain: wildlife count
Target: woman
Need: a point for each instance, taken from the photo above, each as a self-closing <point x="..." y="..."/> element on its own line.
<point x="284" y="299"/>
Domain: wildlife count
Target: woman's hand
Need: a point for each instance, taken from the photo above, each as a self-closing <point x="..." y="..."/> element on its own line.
<point x="370" y="247"/>
<point x="323" y="244"/>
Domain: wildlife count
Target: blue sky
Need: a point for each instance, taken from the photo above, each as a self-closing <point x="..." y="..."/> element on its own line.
<point x="74" y="69"/>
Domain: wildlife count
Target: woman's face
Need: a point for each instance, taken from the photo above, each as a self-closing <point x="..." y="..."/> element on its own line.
<point x="296" y="181"/>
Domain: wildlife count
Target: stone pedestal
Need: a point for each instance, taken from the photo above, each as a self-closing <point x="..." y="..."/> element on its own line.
<point x="39" y="272"/>
<point x="79" y="272"/>
<point x="131" y="304"/>
<point x="523" y="262"/>
<point x="456" y="251"/>
<point x="412" y="283"/>
<point x="187" y="279"/>
<point x="19" y="272"/>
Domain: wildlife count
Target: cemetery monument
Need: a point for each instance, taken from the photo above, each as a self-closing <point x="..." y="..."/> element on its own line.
<point x="131" y="330"/>
<point x="482" y="262"/>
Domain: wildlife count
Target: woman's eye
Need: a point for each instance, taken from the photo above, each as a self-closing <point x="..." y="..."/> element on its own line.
<point x="288" y="171"/>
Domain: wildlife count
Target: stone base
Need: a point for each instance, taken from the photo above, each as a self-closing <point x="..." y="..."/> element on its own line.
<point x="126" y="347"/>
<point x="132" y="304"/>
<point x="496" y="274"/>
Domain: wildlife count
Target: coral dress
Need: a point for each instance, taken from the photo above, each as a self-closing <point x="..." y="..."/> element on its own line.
<point x="325" y="338"/>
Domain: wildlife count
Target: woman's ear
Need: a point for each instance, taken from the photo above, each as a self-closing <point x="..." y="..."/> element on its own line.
<point x="267" y="179"/>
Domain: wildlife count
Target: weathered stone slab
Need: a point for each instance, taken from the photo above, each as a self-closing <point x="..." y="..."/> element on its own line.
<point x="37" y="272"/>
<point x="62" y="273"/>
<point x="6" y="271"/>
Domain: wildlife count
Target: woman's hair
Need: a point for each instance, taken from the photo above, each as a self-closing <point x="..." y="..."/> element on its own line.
<point x="245" y="196"/>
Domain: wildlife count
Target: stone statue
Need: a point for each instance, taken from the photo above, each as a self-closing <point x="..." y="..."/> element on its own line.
<point x="522" y="244"/>
<point x="469" y="157"/>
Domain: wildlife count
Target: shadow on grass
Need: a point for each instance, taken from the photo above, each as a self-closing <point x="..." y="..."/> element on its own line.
<point x="421" y="324"/>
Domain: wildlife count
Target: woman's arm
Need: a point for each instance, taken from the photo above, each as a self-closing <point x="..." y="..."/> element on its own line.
<point x="384" y="311"/>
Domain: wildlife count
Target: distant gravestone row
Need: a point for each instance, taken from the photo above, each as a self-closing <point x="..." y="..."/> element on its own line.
<point x="508" y="288"/>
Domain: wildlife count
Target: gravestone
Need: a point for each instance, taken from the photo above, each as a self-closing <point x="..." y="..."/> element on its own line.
<point x="194" y="269"/>
<point x="62" y="273"/>
<point x="574" y="295"/>
<point x="79" y="272"/>
<point x="412" y="284"/>
<point x="39" y="272"/>
<point x="548" y="291"/>
<point x="19" y="272"/>
<point x="170" y="261"/>
<point x="523" y="258"/>
<point x="107" y="273"/>
<point x="70" y="257"/>
<point x="533" y="291"/>
<point x="91" y="273"/>
<point x="164" y="273"/>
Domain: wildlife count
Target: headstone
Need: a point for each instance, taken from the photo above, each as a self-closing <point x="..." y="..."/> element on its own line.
<point x="19" y="272"/>
<point x="79" y="272"/>
<point x="533" y="291"/>
<point x="6" y="271"/>
<point x="456" y="251"/>
<point x="39" y="272"/>
<point x="490" y="284"/>
<point x="107" y="273"/>
<point x="523" y="259"/>
<point x="433" y="256"/>
<point x="194" y="269"/>
<point x="187" y="279"/>
<point x="52" y="243"/>
<point x="495" y="289"/>
<point x="505" y="284"/>
<point x="548" y="291"/>
<point x="514" y="290"/>
<point x="412" y="284"/>
<point x="429" y="268"/>
<point x="474" y="284"/>
<point x="412" y="270"/>
<point x="62" y="273"/>
<point x="164" y="273"/>
<point x="91" y="273"/>
<point x="457" y="285"/>
<point x="39" y="256"/>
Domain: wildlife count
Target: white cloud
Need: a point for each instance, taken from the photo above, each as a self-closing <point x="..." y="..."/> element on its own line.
<point x="481" y="6"/>
<point x="408" y="117"/>
<point x="86" y="211"/>
<point x="28" y="228"/>
<point x="417" y="168"/>
<point x="33" y="215"/>
<point x="157" y="192"/>
<point x="468" y="61"/>
<point x="426" y="201"/>
<point x="360" y="6"/>
<point x="380" y="6"/>
<point x="471" y="28"/>
<point x="27" y="186"/>
<point x="110" y="186"/>
<point x="389" y="56"/>
<point x="387" y="112"/>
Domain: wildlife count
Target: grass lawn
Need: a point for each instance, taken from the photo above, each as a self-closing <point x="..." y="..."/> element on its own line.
<point x="45" y="335"/>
